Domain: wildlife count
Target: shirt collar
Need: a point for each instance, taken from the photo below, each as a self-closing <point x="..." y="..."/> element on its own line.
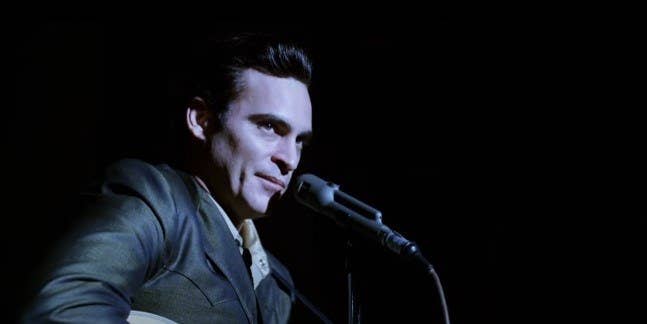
<point x="245" y="236"/>
<point x="232" y="228"/>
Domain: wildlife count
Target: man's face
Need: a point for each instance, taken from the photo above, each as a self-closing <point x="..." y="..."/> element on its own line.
<point x="259" y="145"/>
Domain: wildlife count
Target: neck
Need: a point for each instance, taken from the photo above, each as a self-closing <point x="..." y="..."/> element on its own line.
<point x="198" y="164"/>
<point x="237" y="221"/>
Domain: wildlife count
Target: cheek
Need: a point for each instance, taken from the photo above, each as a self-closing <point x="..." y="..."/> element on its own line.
<point x="222" y="153"/>
<point x="247" y="154"/>
<point x="233" y="150"/>
<point x="255" y="150"/>
<point x="228" y="163"/>
<point x="247" y="161"/>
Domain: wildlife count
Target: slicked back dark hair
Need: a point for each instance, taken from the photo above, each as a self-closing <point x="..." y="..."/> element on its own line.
<point x="218" y="64"/>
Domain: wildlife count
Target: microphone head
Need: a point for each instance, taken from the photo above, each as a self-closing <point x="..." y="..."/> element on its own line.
<point x="314" y="192"/>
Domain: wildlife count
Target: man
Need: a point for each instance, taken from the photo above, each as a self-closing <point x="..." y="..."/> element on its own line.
<point x="182" y="244"/>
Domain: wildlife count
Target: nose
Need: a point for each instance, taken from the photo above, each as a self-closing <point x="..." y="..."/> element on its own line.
<point x="286" y="156"/>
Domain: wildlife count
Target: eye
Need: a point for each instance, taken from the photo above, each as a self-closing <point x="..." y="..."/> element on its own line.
<point x="266" y="125"/>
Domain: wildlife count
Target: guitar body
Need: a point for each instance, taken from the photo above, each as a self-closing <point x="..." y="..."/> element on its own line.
<point x="139" y="317"/>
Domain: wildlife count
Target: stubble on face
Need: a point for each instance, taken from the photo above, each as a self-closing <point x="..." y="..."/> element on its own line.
<point x="243" y="149"/>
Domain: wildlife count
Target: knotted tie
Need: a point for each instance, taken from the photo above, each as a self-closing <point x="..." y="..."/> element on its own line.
<point x="247" y="258"/>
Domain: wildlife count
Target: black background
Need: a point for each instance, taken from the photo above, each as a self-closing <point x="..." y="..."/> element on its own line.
<point x="430" y="117"/>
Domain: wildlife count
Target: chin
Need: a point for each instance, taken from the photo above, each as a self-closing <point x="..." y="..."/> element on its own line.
<point x="262" y="207"/>
<point x="259" y="208"/>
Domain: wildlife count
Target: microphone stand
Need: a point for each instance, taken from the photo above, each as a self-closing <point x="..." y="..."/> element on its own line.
<point x="353" y="300"/>
<point x="354" y="306"/>
<point x="326" y="198"/>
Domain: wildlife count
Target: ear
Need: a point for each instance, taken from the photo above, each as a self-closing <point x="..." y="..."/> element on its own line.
<point x="198" y="117"/>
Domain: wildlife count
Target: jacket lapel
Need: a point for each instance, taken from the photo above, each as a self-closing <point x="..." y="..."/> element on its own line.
<point x="222" y="250"/>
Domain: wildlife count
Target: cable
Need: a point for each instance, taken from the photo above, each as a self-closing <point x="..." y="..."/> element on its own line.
<point x="439" y="287"/>
<point x="441" y="293"/>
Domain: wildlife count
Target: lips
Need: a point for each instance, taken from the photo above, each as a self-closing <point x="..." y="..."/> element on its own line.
<point x="272" y="179"/>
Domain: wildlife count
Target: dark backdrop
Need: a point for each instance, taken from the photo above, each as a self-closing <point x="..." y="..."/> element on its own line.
<point x="408" y="118"/>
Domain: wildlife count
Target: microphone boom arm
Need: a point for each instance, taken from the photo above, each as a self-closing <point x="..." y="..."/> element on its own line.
<point x="320" y="196"/>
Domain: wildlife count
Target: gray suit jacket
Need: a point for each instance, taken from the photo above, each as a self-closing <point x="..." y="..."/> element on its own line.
<point x="153" y="241"/>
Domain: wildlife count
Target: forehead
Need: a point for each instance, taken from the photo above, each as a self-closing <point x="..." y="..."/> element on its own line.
<point x="287" y="98"/>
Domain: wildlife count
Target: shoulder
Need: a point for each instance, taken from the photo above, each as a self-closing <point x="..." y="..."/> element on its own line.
<point x="145" y="180"/>
<point x="160" y="189"/>
<point x="138" y="174"/>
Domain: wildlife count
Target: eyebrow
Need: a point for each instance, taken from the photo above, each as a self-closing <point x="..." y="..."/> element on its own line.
<point x="304" y="137"/>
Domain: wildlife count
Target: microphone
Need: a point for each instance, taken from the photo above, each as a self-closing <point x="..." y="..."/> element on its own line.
<point x="325" y="198"/>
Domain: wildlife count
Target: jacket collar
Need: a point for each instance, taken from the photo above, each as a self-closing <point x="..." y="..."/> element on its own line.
<point x="221" y="248"/>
